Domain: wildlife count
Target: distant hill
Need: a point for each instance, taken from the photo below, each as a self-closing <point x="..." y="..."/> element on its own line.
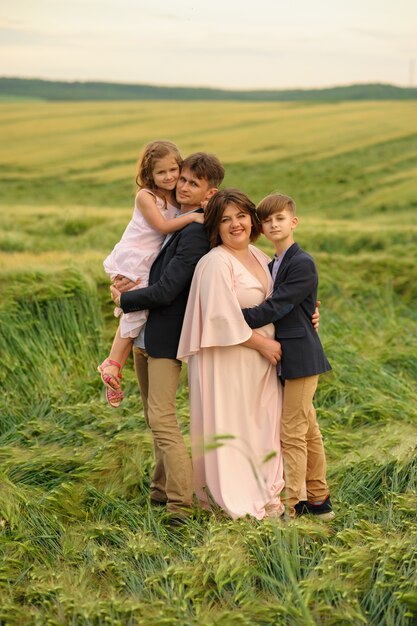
<point x="22" y="88"/>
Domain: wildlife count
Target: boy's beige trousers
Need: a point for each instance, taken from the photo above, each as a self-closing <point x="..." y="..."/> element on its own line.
<point x="302" y="444"/>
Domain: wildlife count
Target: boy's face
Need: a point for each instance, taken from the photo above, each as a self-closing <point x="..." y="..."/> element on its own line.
<point x="192" y="191"/>
<point x="278" y="227"/>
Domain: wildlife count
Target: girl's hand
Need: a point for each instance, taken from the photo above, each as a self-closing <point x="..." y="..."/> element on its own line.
<point x="199" y="218"/>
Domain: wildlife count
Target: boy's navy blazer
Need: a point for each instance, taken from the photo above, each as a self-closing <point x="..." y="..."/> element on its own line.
<point x="169" y="284"/>
<point x="290" y="307"/>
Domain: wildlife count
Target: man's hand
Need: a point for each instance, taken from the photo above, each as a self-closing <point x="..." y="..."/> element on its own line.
<point x="122" y="284"/>
<point x="315" y="320"/>
<point x="115" y="294"/>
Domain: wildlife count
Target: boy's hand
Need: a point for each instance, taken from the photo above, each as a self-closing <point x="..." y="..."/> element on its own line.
<point x="315" y="320"/>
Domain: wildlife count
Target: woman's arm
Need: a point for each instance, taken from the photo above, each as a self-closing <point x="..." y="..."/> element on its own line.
<point x="269" y="348"/>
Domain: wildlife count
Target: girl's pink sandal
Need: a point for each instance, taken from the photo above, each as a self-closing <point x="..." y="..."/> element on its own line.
<point x="114" y="395"/>
<point x="108" y="378"/>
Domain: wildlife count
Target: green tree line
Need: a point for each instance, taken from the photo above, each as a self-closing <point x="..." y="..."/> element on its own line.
<point x="21" y="88"/>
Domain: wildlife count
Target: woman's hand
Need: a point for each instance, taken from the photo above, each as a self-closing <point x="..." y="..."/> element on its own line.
<point x="269" y="348"/>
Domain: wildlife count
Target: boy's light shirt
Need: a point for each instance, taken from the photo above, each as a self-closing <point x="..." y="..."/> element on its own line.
<point x="139" y="341"/>
<point x="277" y="263"/>
<point x="274" y="272"/>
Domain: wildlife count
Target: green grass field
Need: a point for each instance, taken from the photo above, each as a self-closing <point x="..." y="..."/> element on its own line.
<point x="79" y="543"/>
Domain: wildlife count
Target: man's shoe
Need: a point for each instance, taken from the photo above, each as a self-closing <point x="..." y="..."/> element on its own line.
<point x="324" y="510"/>
<point x="157" y="502"/>
<point x="173" y="520"/>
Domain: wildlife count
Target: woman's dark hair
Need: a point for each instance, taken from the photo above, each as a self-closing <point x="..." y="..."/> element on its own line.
<point x="216" y="207"/>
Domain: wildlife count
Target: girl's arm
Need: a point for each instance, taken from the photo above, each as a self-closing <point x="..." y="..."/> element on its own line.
<point x="146" y="204"/>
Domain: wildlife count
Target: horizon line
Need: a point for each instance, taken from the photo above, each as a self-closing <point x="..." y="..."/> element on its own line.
<point x="211" y="88"/>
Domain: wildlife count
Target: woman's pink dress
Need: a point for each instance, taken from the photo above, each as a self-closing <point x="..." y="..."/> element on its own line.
<point x="235" y="395"/>
<point x="133" y="256"/>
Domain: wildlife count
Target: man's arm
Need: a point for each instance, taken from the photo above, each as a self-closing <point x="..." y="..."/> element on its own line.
<point x="192" y="245"/>
<point x="301" y="280"/>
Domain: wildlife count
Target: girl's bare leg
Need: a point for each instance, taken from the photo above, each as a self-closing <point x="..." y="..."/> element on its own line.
<point x="119" y="352"/>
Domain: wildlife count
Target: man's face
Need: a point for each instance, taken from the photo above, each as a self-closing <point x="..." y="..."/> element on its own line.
<point x="191" y="191"/>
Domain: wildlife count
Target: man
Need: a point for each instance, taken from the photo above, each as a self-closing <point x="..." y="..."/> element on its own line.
<point x="156" y="365"/>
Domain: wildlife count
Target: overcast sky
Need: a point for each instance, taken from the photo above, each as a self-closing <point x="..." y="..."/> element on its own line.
<point x="219" y="43"/>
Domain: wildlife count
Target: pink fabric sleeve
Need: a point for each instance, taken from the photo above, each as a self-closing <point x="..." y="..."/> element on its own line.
<point x="213" y="316"/>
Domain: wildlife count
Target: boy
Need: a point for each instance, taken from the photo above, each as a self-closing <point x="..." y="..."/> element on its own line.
<point x="291" y="307"/>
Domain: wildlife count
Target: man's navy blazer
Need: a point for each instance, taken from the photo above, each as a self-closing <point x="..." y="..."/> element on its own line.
<point x="169" y="284"/>
<point x="290" y="307"/>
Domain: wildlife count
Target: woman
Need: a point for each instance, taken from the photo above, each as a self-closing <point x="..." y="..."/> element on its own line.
<point x="235" y="395"/>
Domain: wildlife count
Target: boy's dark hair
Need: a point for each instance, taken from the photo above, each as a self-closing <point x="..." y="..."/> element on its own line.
<point x="206" y="166"/>
<point x="275" y="203"/>
<point x="216" y="207"/>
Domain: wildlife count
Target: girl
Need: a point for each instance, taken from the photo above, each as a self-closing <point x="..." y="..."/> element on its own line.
<point x="153" y="218"/>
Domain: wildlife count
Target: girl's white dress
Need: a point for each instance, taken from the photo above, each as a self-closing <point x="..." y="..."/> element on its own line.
<point x="133" y="256"/>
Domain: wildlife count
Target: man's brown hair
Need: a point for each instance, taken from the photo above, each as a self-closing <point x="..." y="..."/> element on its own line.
<point x="205" y="166"/>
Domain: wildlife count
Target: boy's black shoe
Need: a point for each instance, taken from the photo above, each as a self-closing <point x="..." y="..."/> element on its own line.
<point x="301" y="508"/>
<point x="324" y="510"/>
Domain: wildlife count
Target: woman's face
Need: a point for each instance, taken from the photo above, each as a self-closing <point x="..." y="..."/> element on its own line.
<point x="235" y="227"/>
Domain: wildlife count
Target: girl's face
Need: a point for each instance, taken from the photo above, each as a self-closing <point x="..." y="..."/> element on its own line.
<point x="235" y="227"/>
<point x="165" y="173"/>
